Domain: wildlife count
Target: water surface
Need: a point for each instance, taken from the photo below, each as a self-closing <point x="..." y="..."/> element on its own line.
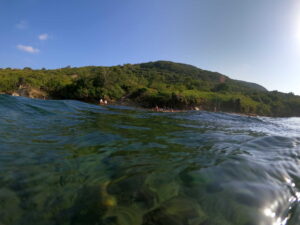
<point x="72" y="163"/>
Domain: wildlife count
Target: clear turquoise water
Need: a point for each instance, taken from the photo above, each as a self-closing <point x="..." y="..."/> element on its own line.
<point x="68" y="162"/>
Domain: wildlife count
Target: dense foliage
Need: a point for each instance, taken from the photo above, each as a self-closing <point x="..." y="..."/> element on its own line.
<point x="161" y="83"/>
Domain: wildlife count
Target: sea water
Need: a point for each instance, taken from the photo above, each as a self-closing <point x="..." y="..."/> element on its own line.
<point x="73" y="163"/>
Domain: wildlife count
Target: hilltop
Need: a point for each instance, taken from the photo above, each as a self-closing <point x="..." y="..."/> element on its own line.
<point x="161" y="83"/>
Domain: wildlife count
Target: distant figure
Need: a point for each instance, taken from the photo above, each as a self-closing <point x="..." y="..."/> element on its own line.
<point x="103" y="102"/>
<point x="156" y="108"/>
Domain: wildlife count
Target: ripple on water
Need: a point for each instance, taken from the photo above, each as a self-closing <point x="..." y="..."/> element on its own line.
<point x="68" y="162"/>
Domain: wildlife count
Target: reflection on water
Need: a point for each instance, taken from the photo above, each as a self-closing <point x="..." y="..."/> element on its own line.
<point x="271" y="210"/>
<point x="67" y="162"/>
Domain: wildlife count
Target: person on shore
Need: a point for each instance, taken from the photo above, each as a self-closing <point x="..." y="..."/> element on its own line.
<point x="103" y="102"/>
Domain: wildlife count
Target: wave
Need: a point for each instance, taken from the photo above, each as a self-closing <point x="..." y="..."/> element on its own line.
<point x="69" y="162"/>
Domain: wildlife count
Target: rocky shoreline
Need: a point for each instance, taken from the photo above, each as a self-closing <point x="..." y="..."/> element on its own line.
<point x="29" y="92"/>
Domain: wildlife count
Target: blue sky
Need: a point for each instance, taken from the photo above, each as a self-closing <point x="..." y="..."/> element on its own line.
<point x="252" y="40"/>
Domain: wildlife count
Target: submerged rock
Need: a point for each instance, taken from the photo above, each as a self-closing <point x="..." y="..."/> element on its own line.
<point x="90" y="207"/>
<point x="177" y="211"/>
<point x="10" y="207"/>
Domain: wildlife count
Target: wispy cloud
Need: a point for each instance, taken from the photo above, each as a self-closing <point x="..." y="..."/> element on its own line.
<point x="43" y="37"/>
<point x="22" y="25"/>
<point x="28" y="49"/>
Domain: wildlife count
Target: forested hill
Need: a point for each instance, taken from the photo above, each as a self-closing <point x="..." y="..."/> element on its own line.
<point x="161" y="83"/>
<point x="193" y="72"/>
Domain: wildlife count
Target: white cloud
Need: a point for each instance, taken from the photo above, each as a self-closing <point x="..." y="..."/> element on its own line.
<point x="22" y="25"/>
<point x="43" y="37"/>
<point x="28" y="49"/>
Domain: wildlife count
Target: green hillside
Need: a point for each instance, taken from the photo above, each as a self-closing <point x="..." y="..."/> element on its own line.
<point x="161" y="83"/>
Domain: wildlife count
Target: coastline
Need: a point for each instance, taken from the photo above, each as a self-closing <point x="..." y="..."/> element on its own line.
<point x="130" y="103"/>
<point x="163" y="86"/>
